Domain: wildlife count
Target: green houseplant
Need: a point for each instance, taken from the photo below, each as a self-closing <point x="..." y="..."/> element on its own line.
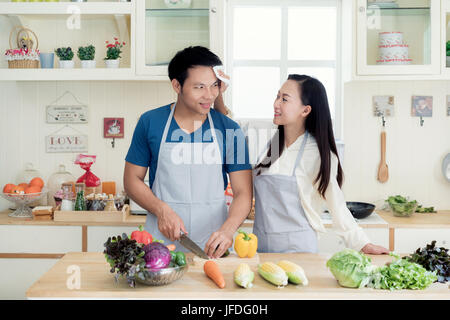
<point x="87" y="56"/>
<point x="113" y="51"/>
<point x="65" y="56"/>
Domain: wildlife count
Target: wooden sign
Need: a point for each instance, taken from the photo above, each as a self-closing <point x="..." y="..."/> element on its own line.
<point x="61" y="143"/>
<point x="67" y="114"/>
<point x="113" y="127"/>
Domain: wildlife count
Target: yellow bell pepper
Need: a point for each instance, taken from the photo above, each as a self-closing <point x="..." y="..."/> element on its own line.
<point x="245" y="244"/>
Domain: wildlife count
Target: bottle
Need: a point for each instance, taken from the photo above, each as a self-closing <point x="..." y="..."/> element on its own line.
<point x="67" y="199"/>
<point x="55" y="182"/>
<point x="80" y="202"/>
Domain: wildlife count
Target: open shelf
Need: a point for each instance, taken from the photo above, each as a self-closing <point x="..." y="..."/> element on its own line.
<point x="175" y="13"/>
<point x="64" y="8"/>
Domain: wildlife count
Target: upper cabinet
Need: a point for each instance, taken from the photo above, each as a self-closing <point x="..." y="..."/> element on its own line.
<point x="167" y="26"/>
<point x="400" y="37"/>
<point x="152" y="30"/>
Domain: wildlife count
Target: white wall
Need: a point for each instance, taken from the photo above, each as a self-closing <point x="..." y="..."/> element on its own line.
<point x="414" y="153"/>
<point x="23" y="127"/>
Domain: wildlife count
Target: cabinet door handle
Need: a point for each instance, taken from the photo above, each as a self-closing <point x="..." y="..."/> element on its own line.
<point x="213" y="10"/>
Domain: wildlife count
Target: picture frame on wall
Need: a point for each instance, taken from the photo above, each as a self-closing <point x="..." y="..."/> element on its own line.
<point x="113" y="127"/>
<point x="383" y="106"/>
<point x="422" y="106"/>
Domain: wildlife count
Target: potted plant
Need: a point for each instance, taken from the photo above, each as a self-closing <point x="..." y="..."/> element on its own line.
<point x="113" y="53"/>
<point x="65" y="56"/>
<point x="87" y="56"/>
<point x="448" y="54"/>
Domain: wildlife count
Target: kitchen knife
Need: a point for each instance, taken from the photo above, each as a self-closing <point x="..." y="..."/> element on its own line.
<point x="192" y="246"/>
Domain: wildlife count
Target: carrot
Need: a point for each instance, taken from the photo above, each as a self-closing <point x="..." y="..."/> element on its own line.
<point x="171" y="247"/>
<point x="212" y="270"/>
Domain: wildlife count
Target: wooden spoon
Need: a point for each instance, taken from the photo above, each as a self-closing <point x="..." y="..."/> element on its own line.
<point x="383" y="174"/>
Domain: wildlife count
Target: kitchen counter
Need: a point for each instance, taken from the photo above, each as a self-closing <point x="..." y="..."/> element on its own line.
<point x="132" y="220"/>
<point x="382" y="219"/>
<point x="97" y="282"/>
<point x="440" y="219"/>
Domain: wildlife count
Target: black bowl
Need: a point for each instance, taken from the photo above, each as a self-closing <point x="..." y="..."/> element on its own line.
<point x="360" y="210"/>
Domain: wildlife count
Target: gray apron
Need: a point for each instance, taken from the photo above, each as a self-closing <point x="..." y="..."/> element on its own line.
<point x="192" y="185"/>
<point x="280" y="221"/>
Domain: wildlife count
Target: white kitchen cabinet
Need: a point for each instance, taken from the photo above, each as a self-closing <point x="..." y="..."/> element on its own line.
<point x="417" y="22"/>
<point x="163" y="30"/>
<point x="330" y="242"/>
<point x="408" y="240"/>
<point x="19" y="274"/>
<point x="40" y="239"/>
<point x="445" y="36"/>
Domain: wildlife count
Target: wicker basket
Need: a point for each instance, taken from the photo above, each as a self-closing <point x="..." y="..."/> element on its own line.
<point x="24" y="63"/>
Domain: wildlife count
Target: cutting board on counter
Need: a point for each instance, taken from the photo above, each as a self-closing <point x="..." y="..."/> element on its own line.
<point x="232" y="260"/>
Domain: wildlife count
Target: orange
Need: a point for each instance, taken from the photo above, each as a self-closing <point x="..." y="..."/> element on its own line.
<point x="23" y="184"/>
<point x="37" y="182"/>
<point x="8" y="187"/>
<point x="18" y="190"/>
<point x="32" y="189"/>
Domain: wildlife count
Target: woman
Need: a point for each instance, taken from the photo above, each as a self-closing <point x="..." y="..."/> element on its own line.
<point x="301" y="173"/>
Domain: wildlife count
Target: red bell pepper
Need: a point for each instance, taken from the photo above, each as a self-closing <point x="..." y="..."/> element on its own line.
<point x="141" y="236"/>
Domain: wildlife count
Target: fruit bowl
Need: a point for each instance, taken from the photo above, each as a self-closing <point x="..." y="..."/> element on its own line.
<point x="22" y="201"/>
<point x="160" y="277"/>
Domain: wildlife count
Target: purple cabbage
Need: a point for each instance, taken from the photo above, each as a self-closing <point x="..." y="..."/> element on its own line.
<point x="157" y="256"/>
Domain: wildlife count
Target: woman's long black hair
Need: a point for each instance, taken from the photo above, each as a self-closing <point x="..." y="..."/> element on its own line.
<point x="318" y="124"/>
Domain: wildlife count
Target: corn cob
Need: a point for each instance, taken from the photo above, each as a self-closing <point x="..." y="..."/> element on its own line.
<point x="273" y="273"/>
<point x="295" y="273"/>
<point x="243" y="276"/>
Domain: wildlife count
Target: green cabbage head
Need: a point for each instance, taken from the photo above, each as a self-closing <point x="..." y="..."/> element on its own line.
<point x="351" y="268"/>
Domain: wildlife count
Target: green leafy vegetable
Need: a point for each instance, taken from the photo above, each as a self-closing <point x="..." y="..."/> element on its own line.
<point x="402" y="274"/>
<point x="126" y="257"/>
<point x="433" y="259"/>
<point x="401" y="206"/>
<point x="351" y="268"/>
<point x="421" y="209"/>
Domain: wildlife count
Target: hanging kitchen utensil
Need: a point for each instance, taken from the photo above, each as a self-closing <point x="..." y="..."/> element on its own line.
<point x="383" y="172"/>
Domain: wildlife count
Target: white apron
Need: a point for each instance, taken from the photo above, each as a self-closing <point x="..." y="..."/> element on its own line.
<point x="192" y="188"/>
<point x="280" y="221"/>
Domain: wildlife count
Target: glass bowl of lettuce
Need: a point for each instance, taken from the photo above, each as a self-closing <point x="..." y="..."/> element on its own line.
<point x="401" y="206"/>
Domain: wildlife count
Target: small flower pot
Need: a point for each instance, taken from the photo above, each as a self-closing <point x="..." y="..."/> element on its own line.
<point x="66" y="64"/>
<point x="47" y="60"/>
<point x="87" y="64"/>
<point x="112" y="64"/>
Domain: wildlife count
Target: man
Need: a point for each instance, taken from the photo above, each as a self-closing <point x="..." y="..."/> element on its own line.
<point x="189" y="150"/>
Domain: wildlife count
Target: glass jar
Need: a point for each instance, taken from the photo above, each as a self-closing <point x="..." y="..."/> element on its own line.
<point x="67" y="197"/>
<point x="55" y="182"/>
<point x="80" y="202"/>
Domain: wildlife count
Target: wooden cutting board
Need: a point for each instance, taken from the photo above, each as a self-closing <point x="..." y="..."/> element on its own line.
<point x="231" y="261"/>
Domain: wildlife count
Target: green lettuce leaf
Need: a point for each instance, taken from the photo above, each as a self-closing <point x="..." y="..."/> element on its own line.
<point x="351" y="268"/>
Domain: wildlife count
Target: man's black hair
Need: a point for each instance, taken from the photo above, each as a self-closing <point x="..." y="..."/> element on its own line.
<point x="189" y="58"/>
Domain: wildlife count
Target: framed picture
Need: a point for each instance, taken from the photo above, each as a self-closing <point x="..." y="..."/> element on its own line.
<point x="66" y="143"/>
<point x="448" y="106"/>
<point x="422" y="106"/>
<point x="383" y="106"/>
<point x="113" y="127"/>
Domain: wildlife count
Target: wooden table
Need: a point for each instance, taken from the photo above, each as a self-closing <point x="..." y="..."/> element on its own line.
<point x="97" y="282"/>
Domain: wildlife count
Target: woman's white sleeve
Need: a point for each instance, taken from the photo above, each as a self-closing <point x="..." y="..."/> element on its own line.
<point x="344" y="224"/>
